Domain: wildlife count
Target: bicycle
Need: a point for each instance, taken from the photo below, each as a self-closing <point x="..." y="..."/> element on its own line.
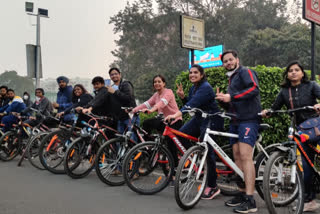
<point x="80" y="155"/>
<point x="35" y="135"/>
<point x="13" y="141"/>
<point x="54" y="146"/>
<point x="111" y="154"/>
<point x="283" y="181"/>
<point x="191" y="173"/>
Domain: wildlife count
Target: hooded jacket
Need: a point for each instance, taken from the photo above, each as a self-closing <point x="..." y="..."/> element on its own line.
<point x="64" y="98"/>
<point x="16" y="105"/>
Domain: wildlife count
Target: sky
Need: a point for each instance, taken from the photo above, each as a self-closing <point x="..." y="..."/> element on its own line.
<point x="76" y="40"/>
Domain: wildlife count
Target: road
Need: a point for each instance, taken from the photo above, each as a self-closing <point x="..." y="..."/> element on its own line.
<point x="27" y="190"/>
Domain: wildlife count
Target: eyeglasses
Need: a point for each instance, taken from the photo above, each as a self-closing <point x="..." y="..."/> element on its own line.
<point x="114" y="74"/>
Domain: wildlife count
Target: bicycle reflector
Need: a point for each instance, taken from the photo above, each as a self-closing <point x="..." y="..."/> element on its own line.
<point x="304" y="137"/>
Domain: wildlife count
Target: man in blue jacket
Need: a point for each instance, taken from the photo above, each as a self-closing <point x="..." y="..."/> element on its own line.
<point x="64" y="97"/>
<point x="243" y="99"/>
<point x="16" y="105"/>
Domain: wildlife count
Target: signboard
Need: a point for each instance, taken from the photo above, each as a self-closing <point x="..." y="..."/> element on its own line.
<point x="209" y="57"/>
<point x="192" y="33"/>
<point x="311" y="11"/>
<point x="31" y="61"/>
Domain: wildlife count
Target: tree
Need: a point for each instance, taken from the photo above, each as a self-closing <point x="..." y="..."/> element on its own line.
<point x="149" y="42"/>
<point x="18" y="83"/>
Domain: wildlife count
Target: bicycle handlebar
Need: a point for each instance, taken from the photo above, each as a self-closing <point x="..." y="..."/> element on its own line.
<point x="192" y="112"/>
<point x="270" y="111"/>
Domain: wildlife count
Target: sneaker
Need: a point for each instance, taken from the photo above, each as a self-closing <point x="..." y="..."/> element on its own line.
<point x="235" y="201"/>
<point x="210" y="193"/>
<point x="248" y="206"/>
<point x="311" y="206"/>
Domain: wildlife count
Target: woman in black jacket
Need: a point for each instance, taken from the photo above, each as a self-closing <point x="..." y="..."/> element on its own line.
<point x="80" y="98"/>
<point x="297" y="91"/>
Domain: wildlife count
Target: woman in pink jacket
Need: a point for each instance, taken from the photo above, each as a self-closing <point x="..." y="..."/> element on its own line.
<point x="163" y="101"/>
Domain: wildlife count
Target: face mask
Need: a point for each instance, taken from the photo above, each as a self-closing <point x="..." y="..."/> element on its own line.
<point x="25" y="97"/>
<point x="37" y="99"/>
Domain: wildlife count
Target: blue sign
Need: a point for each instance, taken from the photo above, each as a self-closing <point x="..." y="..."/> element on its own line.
<point x="209" y="57"/>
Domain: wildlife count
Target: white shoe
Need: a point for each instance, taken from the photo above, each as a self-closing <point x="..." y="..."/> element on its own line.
<point x="311" y="206"/>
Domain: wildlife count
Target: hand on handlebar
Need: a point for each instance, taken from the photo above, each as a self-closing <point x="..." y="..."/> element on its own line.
<point x="87" y="110"/>
<point x="316" y="107"/>
<point x="266" y="113"/>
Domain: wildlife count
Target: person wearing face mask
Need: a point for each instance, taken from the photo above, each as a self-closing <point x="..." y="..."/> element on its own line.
<point x="42" y="104"/>
<point x="26" y="99"/>
<point x="9" y="111"/>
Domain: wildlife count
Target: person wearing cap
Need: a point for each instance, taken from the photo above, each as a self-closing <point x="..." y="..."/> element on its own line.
<point x="64" y="97"/>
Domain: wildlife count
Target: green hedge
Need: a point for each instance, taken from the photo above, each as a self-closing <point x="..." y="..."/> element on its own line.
<point x="269" y="82"/>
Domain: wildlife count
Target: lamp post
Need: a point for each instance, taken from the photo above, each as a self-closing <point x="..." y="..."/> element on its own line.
<point x="41" y="13"/>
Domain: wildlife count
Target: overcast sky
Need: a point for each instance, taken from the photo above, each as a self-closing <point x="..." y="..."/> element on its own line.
<point x="76" y="40"/>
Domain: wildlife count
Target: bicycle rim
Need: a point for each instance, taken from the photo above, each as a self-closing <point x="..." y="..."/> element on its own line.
<point x="281" y="196"/>
<point x="33" y="150"/>
<point x="148" y="168"/>
<point x="109" y="161"/>
<point x="189" y="188"/>
<point x="10" y="146"/>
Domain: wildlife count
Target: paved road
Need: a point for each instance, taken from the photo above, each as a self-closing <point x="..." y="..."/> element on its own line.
<point x="26" y="190"/>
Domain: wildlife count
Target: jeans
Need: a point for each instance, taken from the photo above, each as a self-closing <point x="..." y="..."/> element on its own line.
<point x="308" y="173"/>
<point x="123" y="125"/>
<point x="8" y="121"/>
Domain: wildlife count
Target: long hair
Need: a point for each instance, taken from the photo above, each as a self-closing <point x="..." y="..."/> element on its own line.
<point x="286" y="82"/>
<point x="84" y="91"/>
<point x="204" y="78"/>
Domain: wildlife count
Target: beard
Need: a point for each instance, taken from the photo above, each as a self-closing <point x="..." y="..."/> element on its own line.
<point x="233" y="68"/>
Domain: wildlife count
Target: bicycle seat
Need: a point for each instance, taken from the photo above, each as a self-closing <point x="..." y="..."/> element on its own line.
<point x="263" y="127"/>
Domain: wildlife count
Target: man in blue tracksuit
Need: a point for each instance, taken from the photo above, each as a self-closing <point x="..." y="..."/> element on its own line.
<point x="64" y="97"/>
<point x="242" y="98"/>
<point x="16" y="105"/>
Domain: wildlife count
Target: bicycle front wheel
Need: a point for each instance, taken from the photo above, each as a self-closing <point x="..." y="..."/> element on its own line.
<point x="282" y="193"/>
<point x="148" y="167"/>
<point x="10" y="145"/>
<point x="79" y="158"/>
<point x="33" y="150"/>
<point x="109" y="161"/>
<point x="190" y="181"/>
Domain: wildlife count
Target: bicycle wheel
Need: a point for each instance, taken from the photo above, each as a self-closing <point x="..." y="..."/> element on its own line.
<point x="188" y="188"/>
<point x="80" y="157"/>
<point x="109" y="161"/>
<point x="148" y="157"/>
<point x="226" y="177"/>
<point x="280" y="194"/>
<point x="10" y="146"/>
<point x="33" y="150"/>
<point x="52" y="150"/>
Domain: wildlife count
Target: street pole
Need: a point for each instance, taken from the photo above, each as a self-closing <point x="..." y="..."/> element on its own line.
<point x="313" y="52"/>
<point x="38" y="60"/>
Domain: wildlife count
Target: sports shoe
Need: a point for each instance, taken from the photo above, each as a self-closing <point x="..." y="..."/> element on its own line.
<point x="311" y="206"/>
<point x="210" y="193"/>
<point x="248" y="206"/>
<point x="235" y="201"/>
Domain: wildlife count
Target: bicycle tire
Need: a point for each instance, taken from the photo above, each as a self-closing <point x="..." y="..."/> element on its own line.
<point x="54" y="153"/>
<point x="109" y="161"/>
<point x="33" y="150"/>
<point x="154" y="158"/>
<point x="10" y="146"/>
<point x="84" y="162"/>
<point x="274" y="190"/>
<point x="186" y="175"/>
<point x="227" y="178"/>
